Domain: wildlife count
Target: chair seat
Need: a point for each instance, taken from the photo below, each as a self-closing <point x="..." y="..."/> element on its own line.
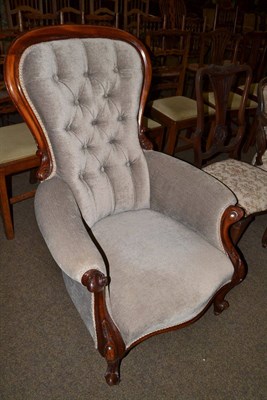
<point x="246" y="181"/>
<point x="253" y="90"/>
<point x="17" y="143"/>
<point x="161" y="271"/>
<point x="150" y="123"/>
<point x="233" y="103"/>
<point x="178" y="108"/>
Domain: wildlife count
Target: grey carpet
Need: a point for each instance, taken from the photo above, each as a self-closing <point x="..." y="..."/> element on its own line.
<point x="47" y="353"/>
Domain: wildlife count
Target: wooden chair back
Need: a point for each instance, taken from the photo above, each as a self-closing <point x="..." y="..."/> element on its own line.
<point x="169" y="51"/>
<point x="174" y="11"/>
<point x="226" y="17"/>
<point x="147" y="23"/>
<point x="261" y="138"/>
<point x="71" y="15"/>
<point x="224" y="136"/>
<point x="102" y="12"/>
<point x="134" y="10"/>
<point x="217" y="46"/>
<point x="253" y="49"/>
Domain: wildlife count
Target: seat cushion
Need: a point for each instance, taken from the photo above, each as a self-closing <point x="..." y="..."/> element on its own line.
<point x="178" y="108"/>
<point x="233" y="103"/>
<point x="150" y="123"/>
<point x="253" y="89"/>
<point x="246" y="181"/>
<point x="17" y="142"/>
<point x="162" y="273"/>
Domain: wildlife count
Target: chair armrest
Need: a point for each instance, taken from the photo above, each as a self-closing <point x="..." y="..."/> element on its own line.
<point x="188" y="195"/>
<point x="61" y="225"/>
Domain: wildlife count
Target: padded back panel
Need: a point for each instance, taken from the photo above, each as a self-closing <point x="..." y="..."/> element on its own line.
<point x="86" y="94"/>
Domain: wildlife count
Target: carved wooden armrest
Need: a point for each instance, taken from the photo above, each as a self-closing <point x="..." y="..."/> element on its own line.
<point x="109" y="341"/>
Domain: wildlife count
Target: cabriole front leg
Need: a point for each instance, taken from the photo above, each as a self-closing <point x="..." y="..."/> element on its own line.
<point x="109" y="341"/>
<point x="231" y="216"/>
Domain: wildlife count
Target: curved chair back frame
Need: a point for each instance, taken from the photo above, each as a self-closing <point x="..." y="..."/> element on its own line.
<point x="60" y="33"/>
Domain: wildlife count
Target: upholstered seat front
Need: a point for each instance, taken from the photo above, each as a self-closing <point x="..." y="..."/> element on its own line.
<point x="141" y="237"/>
<point x="183" y="288"/>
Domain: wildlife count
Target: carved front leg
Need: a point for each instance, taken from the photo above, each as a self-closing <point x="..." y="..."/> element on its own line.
<point x="231" y="215"/>
<point x="109" y="341"/>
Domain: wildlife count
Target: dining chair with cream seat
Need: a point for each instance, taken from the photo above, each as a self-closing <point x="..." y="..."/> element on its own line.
<point x="247" y="182"/>
<point x="218" y="47"/>
<point x="17" y="154"/>
<point x="142" y="238"/>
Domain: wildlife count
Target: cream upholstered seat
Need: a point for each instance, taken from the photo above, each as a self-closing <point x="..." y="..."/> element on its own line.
<point x="17" y="154"/>
<point x="141" y="237"/>
<point x="176" y="113"/>
<point x="233" y="101"/>
<point x="16" y="142"/>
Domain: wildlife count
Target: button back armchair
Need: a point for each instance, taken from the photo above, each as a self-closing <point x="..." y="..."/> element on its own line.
<point x="141" y="237"/>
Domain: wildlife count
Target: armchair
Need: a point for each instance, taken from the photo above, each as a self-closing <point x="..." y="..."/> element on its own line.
<point x="142" y="238"/>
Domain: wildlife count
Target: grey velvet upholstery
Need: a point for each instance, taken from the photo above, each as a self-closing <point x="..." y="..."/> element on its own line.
<point x="152" y="270"/>
<point x="156" y="218"/>
<point x="144" y="248"/>
<point x="86" y="107"/>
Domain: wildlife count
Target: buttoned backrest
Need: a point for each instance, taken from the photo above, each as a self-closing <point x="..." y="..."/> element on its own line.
<point x="85" y="93"/>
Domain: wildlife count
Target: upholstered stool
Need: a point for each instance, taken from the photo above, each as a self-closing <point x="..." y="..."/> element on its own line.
<point x="247" y="182"/>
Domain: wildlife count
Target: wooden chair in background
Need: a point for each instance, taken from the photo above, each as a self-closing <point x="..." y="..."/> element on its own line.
<point x="175" y="112"/>
<point x="98" y="12"/>
<point x="169" y="51"/>
<point x="147" y="23"/>
<point x="246" y="181"/>
<point x="7" y="108"/>
<point x="261" y="137"/>
<point x="227" y="17"/>
<point x="71" y="15"/>
<point x="17" y="154"/>
<point x="28" y="14"/>
<point x="253" y="52"/>
<point x="137" y="18"/>
<point x="174" y="12"/>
